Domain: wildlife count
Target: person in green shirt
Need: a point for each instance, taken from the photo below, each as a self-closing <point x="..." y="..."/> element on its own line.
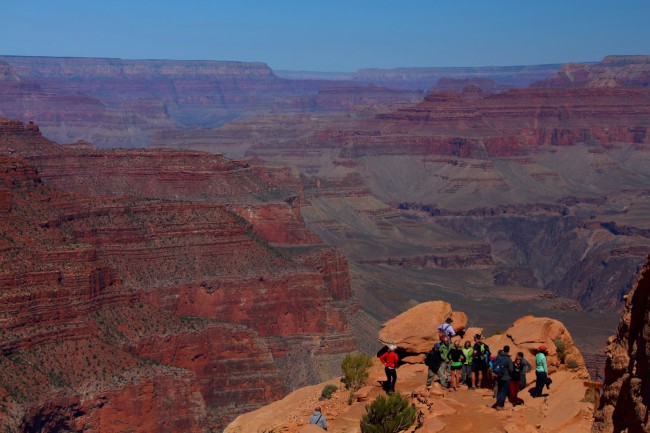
<point x="541" y="371"/>
<point x="444" y="370"/>
<point x="466" y="373"/>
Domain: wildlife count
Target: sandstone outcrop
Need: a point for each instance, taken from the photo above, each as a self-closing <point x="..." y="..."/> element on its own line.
<point x="625" y="401"/>
<point x="528" y="333"/>
<point x="416" y="330"/>
<point x="563" y="410"/>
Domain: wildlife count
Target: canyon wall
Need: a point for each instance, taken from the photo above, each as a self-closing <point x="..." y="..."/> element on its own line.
<point x="155" y="291"/>
<point x="625" y="401"/>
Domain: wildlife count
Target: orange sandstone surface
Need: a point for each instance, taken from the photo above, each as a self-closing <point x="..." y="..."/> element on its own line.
<point x="564" y="409"/>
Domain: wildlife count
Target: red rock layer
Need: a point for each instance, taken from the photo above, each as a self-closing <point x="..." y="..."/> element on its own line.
<point x="626" y="399"/>
<point x="161" y="315"/>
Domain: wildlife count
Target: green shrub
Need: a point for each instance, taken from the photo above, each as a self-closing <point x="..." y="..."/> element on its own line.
<point x="561" y="349"/>
<point x="355" y="370"/>
<point x="572" y="363"/>
<point x="388" y="415"/>
<point x="328" y="390"/>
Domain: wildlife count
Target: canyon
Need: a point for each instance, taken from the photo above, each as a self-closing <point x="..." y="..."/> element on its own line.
<point x="270" y="222"/>
<point x="168" y="290"/>
<point x="499" y="200"/>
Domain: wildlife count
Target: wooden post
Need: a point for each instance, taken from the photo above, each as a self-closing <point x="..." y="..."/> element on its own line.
<point x="597" y="386"/>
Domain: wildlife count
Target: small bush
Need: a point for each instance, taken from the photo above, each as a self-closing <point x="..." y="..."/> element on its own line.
<point x="328" y="390"/>
<point x="561" y="349"/>
<point x="355" y="370"/>
<point x="572" y="363"/>
<point x="388" y="415"/>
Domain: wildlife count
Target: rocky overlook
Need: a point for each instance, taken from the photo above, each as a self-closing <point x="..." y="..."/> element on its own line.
<point x="565" y="409"/>
<point x="115" y="292"/>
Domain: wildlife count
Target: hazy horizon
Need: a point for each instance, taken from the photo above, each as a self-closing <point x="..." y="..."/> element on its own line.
<point x="331" y="36"/>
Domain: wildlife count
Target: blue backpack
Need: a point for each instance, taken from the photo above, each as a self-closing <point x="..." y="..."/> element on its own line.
<point x="498" y="367"/>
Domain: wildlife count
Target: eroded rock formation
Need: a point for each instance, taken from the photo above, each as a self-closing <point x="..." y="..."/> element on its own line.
<point x="625" y="401"/>
<point x="166" y="291"/>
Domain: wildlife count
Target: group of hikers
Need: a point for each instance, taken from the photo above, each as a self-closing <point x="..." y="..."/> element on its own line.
<point x="473" y="366"/>
<point x="470" y="365"/>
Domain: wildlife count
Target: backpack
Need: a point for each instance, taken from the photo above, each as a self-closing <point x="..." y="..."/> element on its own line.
<point x="498" y="367"/>
<point x="485" y="353"/>
<point x="443" y="330"/>
<point x="428" y="359"/>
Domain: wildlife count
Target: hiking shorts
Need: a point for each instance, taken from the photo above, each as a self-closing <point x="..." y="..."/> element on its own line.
<point x="478" y="365"/>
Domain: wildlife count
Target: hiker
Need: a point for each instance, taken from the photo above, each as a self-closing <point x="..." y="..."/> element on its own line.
<point x="526" y="369"/>
<point x="502" y="370"/>
<point x="390" y="360"/>
<point x="456" y="358"/>
<point x="318" y="418"/>
<point x="541" y="372"/>
<point x="466" y="372"/>
<point x="444" y="370"/>
<point x="446" y="329"/>
<point x="480" y="357"/>
<point x="433" y="361"/>
<point x="515" y="380"/>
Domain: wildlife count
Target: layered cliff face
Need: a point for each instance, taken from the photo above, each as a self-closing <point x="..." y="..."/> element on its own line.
<point x="121" y="103"/>
<point x="124" y="309"/>
<point x="536" y="197"/>
<point x="612" y="71"/>
<point x="625" y="401"/>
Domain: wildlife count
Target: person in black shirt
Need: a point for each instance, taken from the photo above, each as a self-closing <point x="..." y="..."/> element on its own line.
<point x="478" y="362"/>
<point x="456" y="358"/>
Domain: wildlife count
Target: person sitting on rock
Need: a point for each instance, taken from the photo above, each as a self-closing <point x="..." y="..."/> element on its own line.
<point x="446" y="330"/>
<point x="433" y="361"/>
<point x="541" y="372"/>
<point x="318" y="418"/>
<point x="390" y="360"/>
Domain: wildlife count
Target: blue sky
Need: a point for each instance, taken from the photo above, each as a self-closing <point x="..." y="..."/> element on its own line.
<point x="334" y="35"/>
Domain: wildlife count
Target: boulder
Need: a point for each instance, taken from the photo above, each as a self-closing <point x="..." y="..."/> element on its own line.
<point x="416" y="330"/>
<point x="529" y="332"/>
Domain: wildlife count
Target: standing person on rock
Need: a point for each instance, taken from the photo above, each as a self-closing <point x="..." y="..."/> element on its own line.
<point x="444" y="370"/>
<point x="502" y="370"/>
<point x="390" y="360"/>
<point x="433" y="361"/>
<point x="466" y="372"/>
<point x="541" y="371"/>
<point x="526" y="369"/>
<point x="515" y="380"/>
<point x="456" y="359"/>
<point x="318" y="418"/>
<point x="480" y="353"/>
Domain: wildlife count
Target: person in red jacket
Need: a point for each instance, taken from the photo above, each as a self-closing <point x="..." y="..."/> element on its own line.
<point x="390" y="360"/>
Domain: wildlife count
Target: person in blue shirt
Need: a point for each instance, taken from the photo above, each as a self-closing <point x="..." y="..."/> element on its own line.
<point x="318" y="418"/>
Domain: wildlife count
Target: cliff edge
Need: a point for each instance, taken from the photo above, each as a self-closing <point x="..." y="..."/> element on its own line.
<point x="624" y="406"/>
